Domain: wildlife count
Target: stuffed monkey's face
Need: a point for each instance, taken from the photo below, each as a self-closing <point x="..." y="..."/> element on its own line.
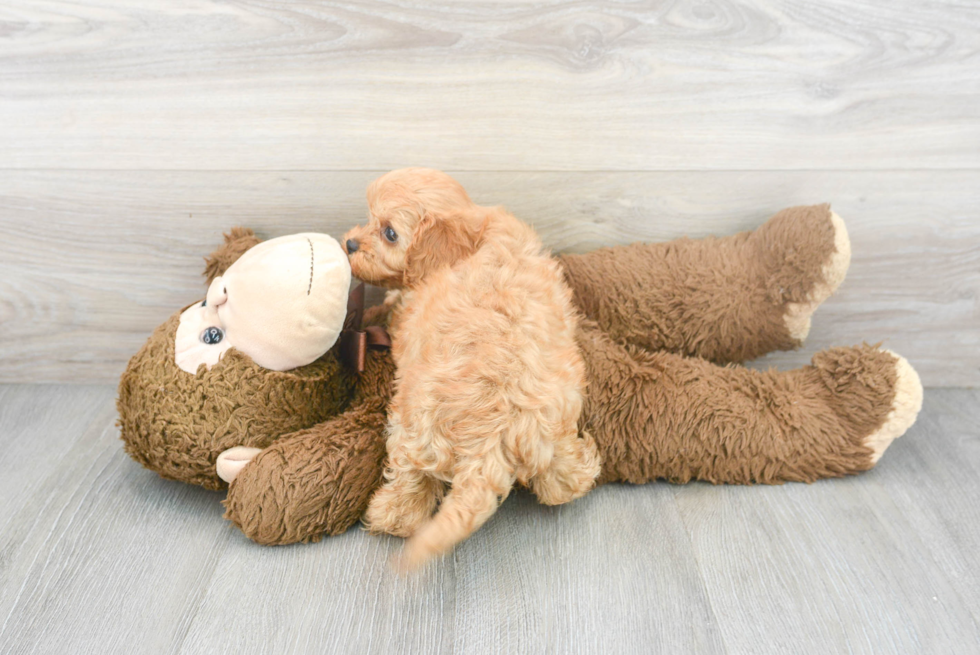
<point x="282" y="303"/>
<point x="200" y="338"/>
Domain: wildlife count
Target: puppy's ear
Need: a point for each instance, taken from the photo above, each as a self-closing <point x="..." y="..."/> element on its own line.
<point x="439" y="242"/>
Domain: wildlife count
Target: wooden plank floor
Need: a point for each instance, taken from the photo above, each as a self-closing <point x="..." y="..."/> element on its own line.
<point x="99" y="555"/>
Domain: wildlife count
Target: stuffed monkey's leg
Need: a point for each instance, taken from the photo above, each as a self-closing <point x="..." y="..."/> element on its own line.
<point x="727" y="300"/>
<point x="666" y="416"/>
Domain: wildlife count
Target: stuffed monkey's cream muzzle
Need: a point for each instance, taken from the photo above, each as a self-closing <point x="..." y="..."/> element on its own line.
<point x="282" y="303"/>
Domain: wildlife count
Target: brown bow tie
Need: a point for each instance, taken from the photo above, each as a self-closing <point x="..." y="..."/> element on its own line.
<point x="354" y="341"/>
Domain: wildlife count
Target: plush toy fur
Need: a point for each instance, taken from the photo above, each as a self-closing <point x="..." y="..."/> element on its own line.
<point x="660" y="321"/>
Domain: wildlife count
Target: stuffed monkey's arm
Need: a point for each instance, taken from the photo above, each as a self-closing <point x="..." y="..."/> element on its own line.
<point x="662" y="415"/>
<point x="728" y="299"/>
<point x="236" y="243"/>
<point x="310" y="483"/>
<point x="317" y="480"/>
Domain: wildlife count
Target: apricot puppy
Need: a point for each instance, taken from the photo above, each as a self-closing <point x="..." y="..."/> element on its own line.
<point x="489" y="384"/>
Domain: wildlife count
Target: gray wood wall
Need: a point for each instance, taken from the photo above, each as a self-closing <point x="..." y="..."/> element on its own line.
<point x="133" y="133"/>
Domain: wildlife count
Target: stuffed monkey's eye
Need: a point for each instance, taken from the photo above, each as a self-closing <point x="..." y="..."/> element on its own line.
<point x="390" y="234"/>
<point x="212" y="335"/>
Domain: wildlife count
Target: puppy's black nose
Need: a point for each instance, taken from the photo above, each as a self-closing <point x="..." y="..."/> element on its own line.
<point x="352" y="245"/>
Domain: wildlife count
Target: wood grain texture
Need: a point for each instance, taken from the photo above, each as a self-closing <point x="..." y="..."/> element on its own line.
<point x="104" y="557"/>
<point x="869" y="564"/>
<point x="92" y="261"/>
<point x="931" y="497"/>
<point x="521" y="85"/>
<point x="37" y="438"/>
<point x="600" y="576"/>
<point x="132" y="133"/>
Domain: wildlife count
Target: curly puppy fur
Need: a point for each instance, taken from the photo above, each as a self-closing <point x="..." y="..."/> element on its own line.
<point x="489" y="385"/>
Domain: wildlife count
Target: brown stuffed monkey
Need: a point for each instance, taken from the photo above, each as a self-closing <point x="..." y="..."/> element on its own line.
<point x="661" y="323"/>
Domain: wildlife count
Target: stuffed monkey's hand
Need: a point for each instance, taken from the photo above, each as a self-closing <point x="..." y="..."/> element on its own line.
<point x="309" y="483"/>
<point x="231" y="462"/>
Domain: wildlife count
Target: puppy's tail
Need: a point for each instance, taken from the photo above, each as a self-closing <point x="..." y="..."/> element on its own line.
<point x="473" y="499"/>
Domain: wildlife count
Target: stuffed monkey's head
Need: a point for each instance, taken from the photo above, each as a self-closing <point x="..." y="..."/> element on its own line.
<point x="177" y="422"/>
<point x="282" y="303"/>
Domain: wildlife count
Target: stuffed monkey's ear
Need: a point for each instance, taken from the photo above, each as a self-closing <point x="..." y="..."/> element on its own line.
<point x="438" y="242"/>
<point x="236" y="243"/>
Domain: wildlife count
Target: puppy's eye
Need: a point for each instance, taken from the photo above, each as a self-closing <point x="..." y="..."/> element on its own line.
<point x="390" y="234"/>
<point x="212" y="335"/>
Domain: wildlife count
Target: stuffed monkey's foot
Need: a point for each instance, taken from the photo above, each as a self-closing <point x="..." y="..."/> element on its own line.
<point x="231" y="462"/>
<point x="875" y="392"/>
<point x="798" y="314"/>
<point x="808" y="253"/>
<point x="904" y="408"/>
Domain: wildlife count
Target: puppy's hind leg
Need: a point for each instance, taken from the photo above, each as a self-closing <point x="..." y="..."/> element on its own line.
<point x="572" y="472"/>
<point x="472" y="500"/>
<point x="408" y="496"/>
<point x="403" y="503"/>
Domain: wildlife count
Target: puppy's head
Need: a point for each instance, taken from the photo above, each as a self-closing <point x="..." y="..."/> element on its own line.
<point x="419" y="221"/>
